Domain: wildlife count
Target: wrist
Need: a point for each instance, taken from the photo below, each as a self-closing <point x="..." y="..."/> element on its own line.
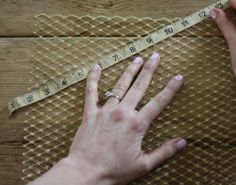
<point x="88" y="172"/>
<point x="73" y="172"/>
<point x="82" y="172"/>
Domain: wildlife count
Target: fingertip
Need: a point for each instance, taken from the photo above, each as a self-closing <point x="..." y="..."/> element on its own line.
<point x="166" y="151"/>
<point x="179" y="78"/>
<point x="155" y="58"/>
<point x="178" y="143"/>
<point x="96" y="68"/>
<point x="138" y="60"/>
<point x="181" y="144"/>
<point x="178" y="81"/>
<point x="213" y="13"/>
<point x="217" y="14"/>
<point x="95" y="72"/>
<point x="224" y="23"/>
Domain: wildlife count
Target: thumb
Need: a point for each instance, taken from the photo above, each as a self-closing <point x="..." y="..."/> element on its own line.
<point x="224" y="23"/>
<point x="164" y="152"/>
<point x="228" y="29"/>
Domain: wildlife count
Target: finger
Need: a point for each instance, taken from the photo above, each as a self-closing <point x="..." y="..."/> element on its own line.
<point x="136" y="92"/>
<point x="163" y="153"/>
<point x="233" y="3"/>
<point x="91" y="97"/>
<point x="228" y="29"/>
<point x="125" y="81"/>
<point x="225" y="24"/>
<point x="153" y="108"/>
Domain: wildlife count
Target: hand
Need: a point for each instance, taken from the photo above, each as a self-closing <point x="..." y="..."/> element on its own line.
<point x="110" y="137"/>
<point x="228" y="29"/>
<point x="107" y="147"/>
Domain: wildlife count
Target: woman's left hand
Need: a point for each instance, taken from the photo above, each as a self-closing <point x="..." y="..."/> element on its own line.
<point x="107" y="147"/>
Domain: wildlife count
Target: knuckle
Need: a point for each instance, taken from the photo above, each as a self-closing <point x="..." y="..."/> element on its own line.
<point x="145" y="166"/>
<point x="91" y="77"/>
<point x="101" y="113"/>
<point x="136" y="125"/>
<point x="121" y="86"/>
<point x="172" y="87"/>
<point x="222" y="19"/>
<point x="150" y="115"/>
<point x="130" y="71"/>
<point x="87" y="114"/>
<point x="161" y="100"/>
<point x="169" y="150"/>
<point x="148" y="67"/>
<point x="139" y="85"/>
<point x="90" y="88"/>
<point x="118" y="114"/>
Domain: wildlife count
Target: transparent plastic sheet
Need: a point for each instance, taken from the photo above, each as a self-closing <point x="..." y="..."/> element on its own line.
<point x="203" y="112"/>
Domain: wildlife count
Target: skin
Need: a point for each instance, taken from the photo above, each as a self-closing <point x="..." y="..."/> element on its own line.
<point x="106" y="149"/>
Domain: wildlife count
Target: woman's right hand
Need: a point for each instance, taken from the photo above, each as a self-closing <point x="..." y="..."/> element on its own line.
<point x="228" y="28"/>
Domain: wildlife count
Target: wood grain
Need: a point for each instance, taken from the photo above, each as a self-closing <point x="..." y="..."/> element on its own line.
<point x="14" y="76"/>
<point x="16" y="32"/>
<point x="21" y="13"/>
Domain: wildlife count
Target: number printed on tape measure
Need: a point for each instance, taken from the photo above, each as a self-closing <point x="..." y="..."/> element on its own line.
<point x="65" y="80"/>
<point x="14" y="103"/>
<point x="116" y="57"/>
<point x="29" y="98"/>
<point x="149" y="40"/>
<point x="132" y="48"/>
<point x="219" y="5"/>
<point x="203" y="14"/>
<point x="46" y="90"/>
<point x="169" y="30"/>
<point x="185" y="22"/>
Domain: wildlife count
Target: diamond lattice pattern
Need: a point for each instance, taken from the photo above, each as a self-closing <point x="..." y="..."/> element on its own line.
<point x="202" y="112"/>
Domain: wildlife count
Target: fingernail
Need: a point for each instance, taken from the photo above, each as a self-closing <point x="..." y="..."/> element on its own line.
<point x="181" y="144"/>
<point x="155" y="58"/>
<point x="96" y="67"/>
<point x="138" y="60"/>
<point x="213" y="14"/>
<point x="179" y="78"/>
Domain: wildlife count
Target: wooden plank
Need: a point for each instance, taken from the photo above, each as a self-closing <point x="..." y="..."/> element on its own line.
<point x="14" y="76"/>
<point x="17" y="17"/>
<point x="11" y="141"/>
<point x="14" y="68"/>
<point x="15" y="63"/>
<point x="17" y="20"/>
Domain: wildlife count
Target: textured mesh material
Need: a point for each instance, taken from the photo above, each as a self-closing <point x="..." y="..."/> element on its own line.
<point x="202" y="113"/>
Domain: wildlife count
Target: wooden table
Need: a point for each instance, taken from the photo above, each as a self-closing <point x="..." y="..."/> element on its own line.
<point x="16" y="37"/>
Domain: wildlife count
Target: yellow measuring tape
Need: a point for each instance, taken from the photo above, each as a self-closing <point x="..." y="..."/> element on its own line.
<point x="75" y="75"/>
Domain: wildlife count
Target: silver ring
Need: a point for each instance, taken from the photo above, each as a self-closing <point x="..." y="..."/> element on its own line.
<point x="110" y="94"/>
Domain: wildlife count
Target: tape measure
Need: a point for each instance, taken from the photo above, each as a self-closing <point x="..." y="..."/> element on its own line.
<point x="75" y="75"/>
